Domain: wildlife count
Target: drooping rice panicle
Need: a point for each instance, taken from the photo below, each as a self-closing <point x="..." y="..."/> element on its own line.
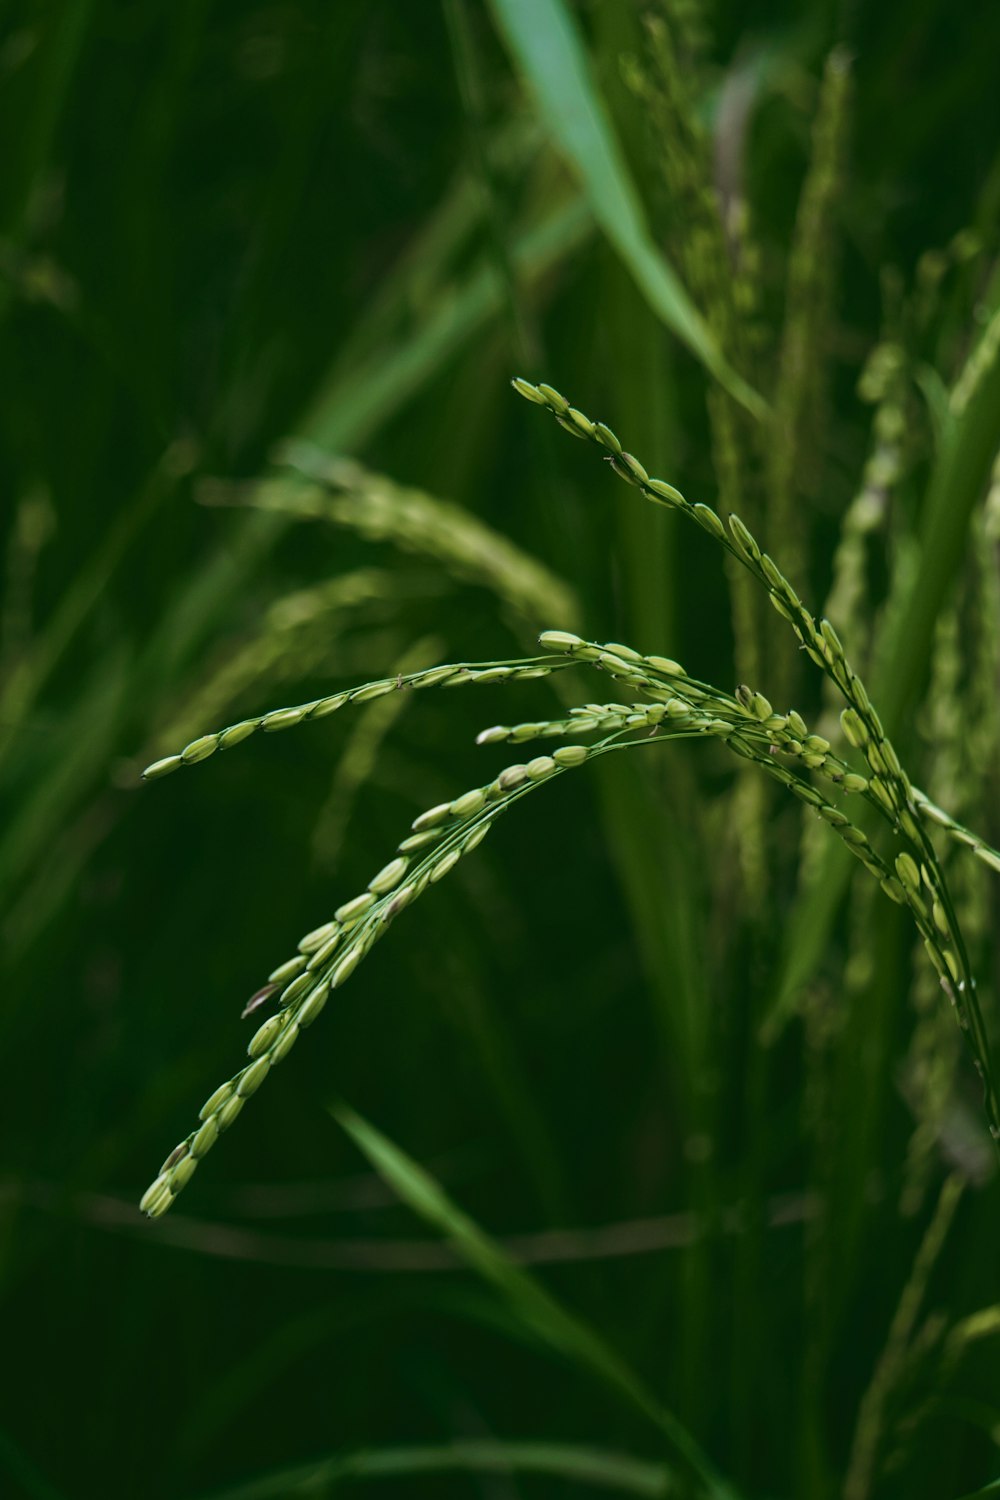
<point x="917" y="867"/>
<point x="680" y="707"/>
<point x="329" y="955"/>
<point x="344" y="493"/>
<point x="456" y="674"/>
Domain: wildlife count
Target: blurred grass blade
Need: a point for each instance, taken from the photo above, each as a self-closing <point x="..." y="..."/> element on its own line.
<point x="34" y="1486"/>
<point x="33" y="670"/>
<point x="469" y="77"/>
<point x="810" y="300"/>
<point x="51" y="76"/>
<point x="587" y="1466"/>
<point x="358" y="401"/>
<point x="865" y="1461"/>
<point x="547" y="48"/>
<point x="536" y="1309"/>
<point x="355" y="404"/>
<point x="955" y="487"/>
<point x="345" y="493"/>
<point x="76" y="755"/>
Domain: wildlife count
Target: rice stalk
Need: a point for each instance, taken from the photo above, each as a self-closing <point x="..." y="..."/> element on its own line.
<point x="710" y="251"/>
<point x="808" y="304"/>
<point x="704" y="253"/>
<point x="862" y="1470"/>
<point x="344" y="493"/>
<point x="883" y="384"/>
<point x="680" y="707"/>
<point x="978" y="367"/>
<point x="916" y="866"/>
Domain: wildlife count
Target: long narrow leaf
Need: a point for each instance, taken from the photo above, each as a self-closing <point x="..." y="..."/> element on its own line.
<point x="547" y="48"/>
<point x="537" y="1309"/>
<point x="569" y="1461"/>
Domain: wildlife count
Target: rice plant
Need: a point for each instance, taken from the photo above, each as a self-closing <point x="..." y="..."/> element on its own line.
<point x="780" y="744"/>
<point x="655" y="1152"/>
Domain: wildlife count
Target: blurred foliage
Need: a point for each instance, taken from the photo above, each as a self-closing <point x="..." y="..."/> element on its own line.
<point x="678" y="1061"/>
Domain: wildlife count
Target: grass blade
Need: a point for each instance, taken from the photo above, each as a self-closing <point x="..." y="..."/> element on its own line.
<point x="547" y="48"/>
<point x="356" y="402"/>
<point x="587" y="1466"/>
<point x="537" y="1309"/>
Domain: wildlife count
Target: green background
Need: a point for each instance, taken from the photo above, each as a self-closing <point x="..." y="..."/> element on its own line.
<point x="224" y="225"/>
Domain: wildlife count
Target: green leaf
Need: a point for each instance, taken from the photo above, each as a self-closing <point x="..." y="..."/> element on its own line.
<point x="569" y="1461"/>
<point x="546" y="46"/>
<point x="356" y="402"/>
<point x="535" y="1308"/>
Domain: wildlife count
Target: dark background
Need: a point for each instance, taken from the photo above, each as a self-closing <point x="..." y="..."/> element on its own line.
<point x="226" y="224"/>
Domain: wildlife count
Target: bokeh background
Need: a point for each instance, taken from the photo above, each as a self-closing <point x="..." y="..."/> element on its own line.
<point x="692" y="1076"/>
